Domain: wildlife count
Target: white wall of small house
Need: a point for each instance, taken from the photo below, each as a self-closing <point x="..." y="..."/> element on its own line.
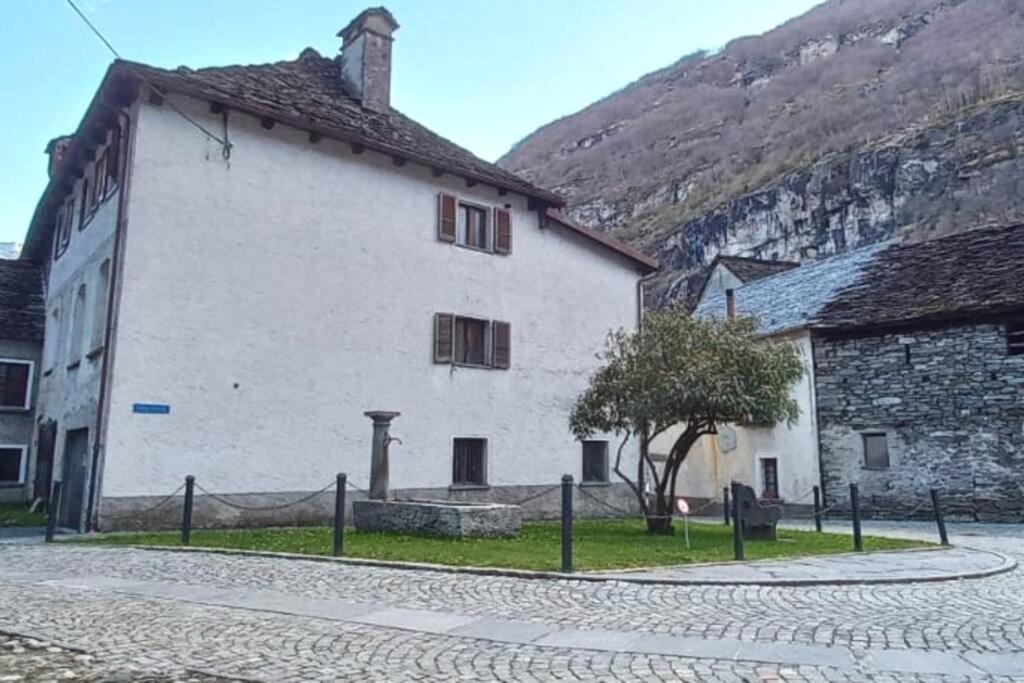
<point x="272" y="298"/>
<point x="736" y="452"/>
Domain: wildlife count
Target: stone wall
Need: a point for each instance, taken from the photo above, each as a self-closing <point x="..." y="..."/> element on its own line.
<point x="952" y="404"/>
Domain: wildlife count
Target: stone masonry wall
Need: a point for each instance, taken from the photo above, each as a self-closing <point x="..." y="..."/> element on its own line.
<point x="952" y="404"/>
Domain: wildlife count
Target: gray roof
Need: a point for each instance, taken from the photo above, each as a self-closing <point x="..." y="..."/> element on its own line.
<point x="795" y="298"/>
<point x="21" y="301"/>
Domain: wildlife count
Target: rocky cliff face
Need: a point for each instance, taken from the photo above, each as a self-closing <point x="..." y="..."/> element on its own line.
<point x="856" y="122"/>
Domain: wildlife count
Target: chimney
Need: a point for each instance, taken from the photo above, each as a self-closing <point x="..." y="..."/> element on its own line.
<point x="730" y="304"/>
<point x="366" y="58"/>
<point x="58" y="149"/>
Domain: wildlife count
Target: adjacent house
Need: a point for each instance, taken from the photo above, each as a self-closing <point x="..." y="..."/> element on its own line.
<point x="731" y="272"/>
<point x="915" y="379"/>
<point x="21" y="336"/>
<point x="241" y="261"/>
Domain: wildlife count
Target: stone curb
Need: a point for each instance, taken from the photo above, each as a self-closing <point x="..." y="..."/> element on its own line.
<point x="1007" y="564"/>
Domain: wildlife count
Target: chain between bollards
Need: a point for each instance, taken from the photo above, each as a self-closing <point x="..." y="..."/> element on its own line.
<point x="939" y="519"/>
<point x="54" y="508"/>
<point x="817" y="509"/>
<point x="186" y="512"/>
<point x="737" y="523"/>
<point x="339" y="515"/>
<point x="858" y="541"/>
<point x="567" y="523"/>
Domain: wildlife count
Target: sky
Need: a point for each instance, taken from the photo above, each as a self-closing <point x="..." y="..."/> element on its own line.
<point x="484" y="73"/>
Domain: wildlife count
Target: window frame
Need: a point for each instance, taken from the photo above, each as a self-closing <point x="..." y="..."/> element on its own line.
<point x="22" y="465"/>
<point x="487" y="341"/>
<point x="763" y="479"/>
<point x="484" y="458"/>
<point x="583" y="463"/>
<point x="29" y="381"/>
<point x="864" y="436"/>
<point x="487" y="212"/>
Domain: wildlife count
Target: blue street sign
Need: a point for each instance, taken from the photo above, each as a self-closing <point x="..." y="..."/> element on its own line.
<point x="151" y="408"/>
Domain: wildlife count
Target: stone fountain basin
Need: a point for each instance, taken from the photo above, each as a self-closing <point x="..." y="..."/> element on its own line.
<point x="450" y="519"/>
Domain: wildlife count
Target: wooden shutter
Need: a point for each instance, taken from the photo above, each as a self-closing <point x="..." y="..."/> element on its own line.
<point x="444" y="337"/>
<point x="502" y="339"/>
<point x="446" y="218"/>
<point x="502" y="231"/>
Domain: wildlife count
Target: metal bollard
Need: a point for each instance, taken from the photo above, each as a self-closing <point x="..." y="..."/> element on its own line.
<point x="339" y="515"/>
<point x="858" y="542"/>
<point x="737" y="523"/>
<point x="186" y="513"/>
<point x="567" y="523"/>
<point x="817" y="509"/>
<point x="54" y="507"/>
<point x="939" y="519"/>
<point x="725" y="504"/>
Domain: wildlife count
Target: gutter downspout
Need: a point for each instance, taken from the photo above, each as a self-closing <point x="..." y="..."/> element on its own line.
<point x="113" y="291"/>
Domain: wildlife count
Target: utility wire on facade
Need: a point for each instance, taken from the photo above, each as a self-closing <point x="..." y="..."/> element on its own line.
<point x="225" y="145"/>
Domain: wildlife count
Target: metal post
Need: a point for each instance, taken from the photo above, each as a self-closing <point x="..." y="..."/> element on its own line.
<point x="186" y="513"/>
<point x="54" y="507"/>
<point x="858" y="542"/>
<point x="339" y="515"/>
<point x="725" y="504"/>
<point x="737" y="523"/>
<point x="939" y="519"/>
<point x="567" y="523"/>
<point x="817" y="509"/>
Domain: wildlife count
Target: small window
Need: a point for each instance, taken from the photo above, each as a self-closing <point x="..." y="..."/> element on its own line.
<point x="473" y="229"/>
<point x="51" y="342"/>
<point x="469" y="461"/>
<point x="471" y="341"/>
<point x="595" y="461"/>
<point x="876" y="451"/>
<point x="770" y="478"/>
<point x="99" y="316"/>
<point x="77" y="327"/>
<point x="12" y="465"/>
<point x="1015" y="338"/>
<point x="15" y="383"/>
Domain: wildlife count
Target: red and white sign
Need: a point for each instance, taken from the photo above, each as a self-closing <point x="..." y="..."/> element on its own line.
<point x="682" y="507"/>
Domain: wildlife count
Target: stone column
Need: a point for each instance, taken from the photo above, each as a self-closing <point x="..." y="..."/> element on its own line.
<point x="379" y="453"/>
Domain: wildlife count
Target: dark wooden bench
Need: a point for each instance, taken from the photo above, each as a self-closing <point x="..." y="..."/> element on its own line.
<point x="759" y="519"/>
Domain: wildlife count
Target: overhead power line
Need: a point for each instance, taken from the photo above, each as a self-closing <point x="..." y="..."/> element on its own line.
<point x="225" y="145"/>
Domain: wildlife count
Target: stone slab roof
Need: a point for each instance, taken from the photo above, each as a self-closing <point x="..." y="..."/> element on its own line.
<point x="750" y="269"/>
<point x="308" y="93"/>
<point x="22" y="316"/>
<point x="975" y="273"/>
<point x="795" y="298"/>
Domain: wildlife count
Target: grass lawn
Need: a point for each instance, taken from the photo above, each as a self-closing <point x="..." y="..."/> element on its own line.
<point x="15" y="514"/>
<point x="598" y="544"/>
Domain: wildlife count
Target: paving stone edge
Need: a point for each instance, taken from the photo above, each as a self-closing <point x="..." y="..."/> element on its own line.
<point x="1007" y="564"/>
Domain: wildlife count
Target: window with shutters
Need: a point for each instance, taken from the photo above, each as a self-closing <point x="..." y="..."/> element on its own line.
<point x="12" y="465"/>
<point x="472" y="225"/>
<point x="469" y="462"/>
<point x="595" y="462"/>
<point x="62" y="228"/>
<point x="15" y="384"/>
<point x="1015" y="338"/>
<point x="473" y="342"/>
<point x="876" y="451"/>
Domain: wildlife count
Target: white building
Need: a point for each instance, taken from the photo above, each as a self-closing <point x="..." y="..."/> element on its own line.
<point x="243" y="260"/>
<point x="780" y="461"/>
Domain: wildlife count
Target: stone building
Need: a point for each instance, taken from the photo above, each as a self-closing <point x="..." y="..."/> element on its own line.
<point x="919" y="369"/>
<point x="21" y="335"/>
<point x="915" y="378"/>
<point x="242" y="260"/>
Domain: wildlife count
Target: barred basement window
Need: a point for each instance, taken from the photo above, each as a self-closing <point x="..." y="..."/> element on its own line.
<point x="1015" y="338"/>
<point x="595" y="461"/>
<point x="12" y="465"/>
<point x="469" y="460"/>
<point x="876" y="451"/>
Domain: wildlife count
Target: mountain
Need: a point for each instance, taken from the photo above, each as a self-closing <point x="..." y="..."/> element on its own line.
<point x="858" y="121"/>
<point x="10" y="250"/>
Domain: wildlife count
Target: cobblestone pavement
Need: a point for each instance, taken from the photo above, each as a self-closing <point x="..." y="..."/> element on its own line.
<point x="278" y="619"/>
